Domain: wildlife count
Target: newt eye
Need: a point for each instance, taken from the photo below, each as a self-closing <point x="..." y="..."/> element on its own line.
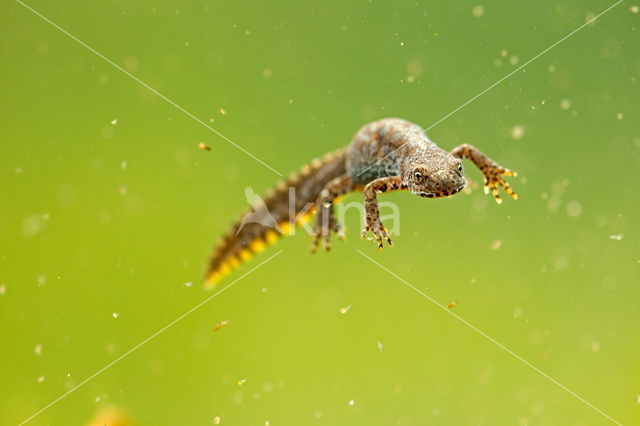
<point x="460" y="167"/>
<point x="417" y="175"/>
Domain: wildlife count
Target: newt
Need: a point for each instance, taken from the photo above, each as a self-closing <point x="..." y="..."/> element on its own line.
<point x="386" y="155"/>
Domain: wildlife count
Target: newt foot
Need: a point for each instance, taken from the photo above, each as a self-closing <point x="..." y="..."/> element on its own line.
<point x="325" y="226"/>
<point x="379" y="232"/>
<point x="493" y="176"/>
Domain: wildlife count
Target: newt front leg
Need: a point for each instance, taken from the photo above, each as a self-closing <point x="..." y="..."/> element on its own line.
<point x="372" y="214"/>
<point x="491" y="170"/>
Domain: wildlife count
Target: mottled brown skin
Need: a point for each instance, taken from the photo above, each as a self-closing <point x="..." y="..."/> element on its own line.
<point x="394" y="154"/>
<point x="386" y="155"/>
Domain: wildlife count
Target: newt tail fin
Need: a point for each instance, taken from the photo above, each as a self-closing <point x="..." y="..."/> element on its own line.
<point x="290" y="203"/>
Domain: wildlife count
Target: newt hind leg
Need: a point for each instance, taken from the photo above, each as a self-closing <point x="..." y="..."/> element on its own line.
<point x="326" y="223"/>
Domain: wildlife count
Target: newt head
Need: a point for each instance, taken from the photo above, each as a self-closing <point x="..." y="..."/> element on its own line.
<point x="438" y="176"/>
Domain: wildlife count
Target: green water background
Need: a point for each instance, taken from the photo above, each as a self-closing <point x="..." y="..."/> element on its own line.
<point x="99" y="218"/>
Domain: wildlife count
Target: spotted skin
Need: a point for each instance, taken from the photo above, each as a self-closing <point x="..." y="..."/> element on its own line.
<point x="387" y="155"/>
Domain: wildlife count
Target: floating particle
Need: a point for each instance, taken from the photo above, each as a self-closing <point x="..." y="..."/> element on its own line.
<point x="638" y="400"/>
<point x="3" y="289"/>
<point x="264" y="289"/>
<point x="619" y="116"/>
<point x="595" y="347"/>
<point x="219" y="326"/>
<point x="18" y="170"/>
<point x="497" y="62"/>
<point x="513" y="60"/>
<point x="217" y="420"/>
<point x="379" y="345"/>
<point x="561" y="263"/>
<point x="267" y="73"/>
<point x="551" y="68"/>
<point x="496" y="244"/>
<point x="268" y="387"/>
<point x="41" y="379"/>
<point x="204" y="146"/>
<point x="504" y="53"/>
<point x="33" y="224"/>
<point x="223" y="111"/>
<point x="186" y="44"/>
<point x="122" y="190"/>
<point x="345" y="309"/>
<point x="477" y="11"/>
<point x="115" y="314"/>
<point x="517" y="312"/>
<point x="42" y="280"/>
<point x="517" y="132"/>
<point x="241" y="382"/>
<point x="188" y="284"/>
<point x="37" y="349"/>
<point x="616" y="237"/>
<point x="402" y="43"/>
<point x="290" y="101"/>
<point x="565" y="104"/>
<point x="574" y="208"/>
<point x="123" y="164"/>
<point x="114" y="121"/>
<point x="352" y="403"/>
<point x="542" y="102"/>
<point x="635" y="9"/>
<point x="267" y="423"/>
<point x="410" y="79"/>
<point x="451" y="305"/>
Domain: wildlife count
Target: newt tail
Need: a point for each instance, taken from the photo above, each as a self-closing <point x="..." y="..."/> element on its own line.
<point x="289" y="204"/>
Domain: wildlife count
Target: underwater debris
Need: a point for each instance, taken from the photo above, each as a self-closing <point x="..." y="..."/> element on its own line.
<point x="616" y="237"/>
<point x="204" y="146"/>
<point x="241" y="382"/>
<point x="477" y="11"/>
<point x="451" y="305"/>
<point x="517" y="132"/>
<point x="220" y="325"/>
<point x="345" y="309"/>
<point x="565" y="104"/>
